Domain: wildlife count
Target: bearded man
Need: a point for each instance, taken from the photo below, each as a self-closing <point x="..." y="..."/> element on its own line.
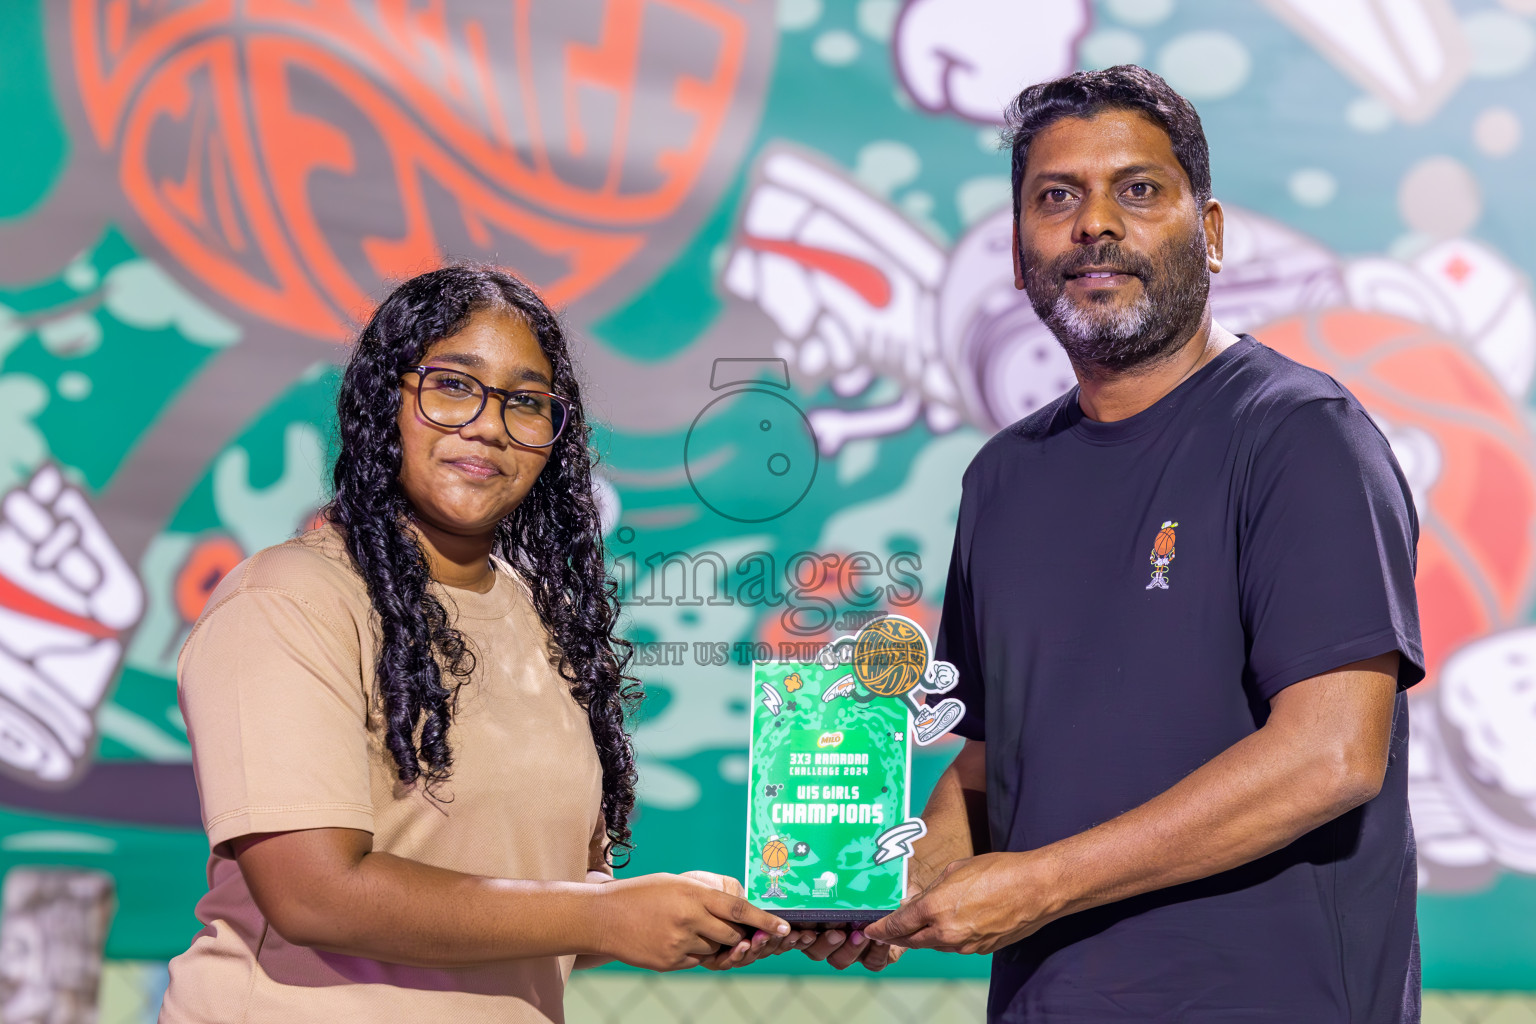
<point x="1181" y="605"/>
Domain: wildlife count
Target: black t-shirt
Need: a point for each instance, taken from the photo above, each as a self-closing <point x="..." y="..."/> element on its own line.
<point x="1123" y="601"/>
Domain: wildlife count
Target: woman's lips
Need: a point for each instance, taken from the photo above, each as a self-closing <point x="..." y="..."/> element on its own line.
<point x="478" y="469"/>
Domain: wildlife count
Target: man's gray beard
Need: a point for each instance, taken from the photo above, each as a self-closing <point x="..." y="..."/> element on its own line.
<point x="1176" y="282"/>
<point x="1099" y="326"/>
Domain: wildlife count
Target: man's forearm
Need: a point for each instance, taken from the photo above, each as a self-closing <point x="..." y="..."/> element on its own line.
<point x="1256" y="797"/>
<point x="956" y="816"/>
<point x="1322" y="751"/>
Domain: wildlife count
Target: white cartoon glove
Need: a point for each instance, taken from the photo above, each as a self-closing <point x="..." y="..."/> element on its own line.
<point x="66" y="596"/>
<point x="940" y="677"/>
<point x="1452" y="856"/>
<point x="1472" y="771"/>
<point x="971" y="57"/>
<point x="851" y="285"/>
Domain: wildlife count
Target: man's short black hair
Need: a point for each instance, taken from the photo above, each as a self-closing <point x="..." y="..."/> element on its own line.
<point x="1086" y="94"/>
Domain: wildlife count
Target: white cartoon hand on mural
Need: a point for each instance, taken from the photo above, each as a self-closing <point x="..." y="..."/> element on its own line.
<point x="1488" y="696"/>
<point x="1472" y="782"/>
<point x="970" y="57"/>
<point x="66" y="596"/>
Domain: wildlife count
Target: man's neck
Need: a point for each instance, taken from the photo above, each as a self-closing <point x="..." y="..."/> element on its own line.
<point x="1110" y="395"/>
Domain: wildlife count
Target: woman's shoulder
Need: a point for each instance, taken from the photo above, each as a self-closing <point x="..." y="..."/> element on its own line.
<point x="313" y="569"/>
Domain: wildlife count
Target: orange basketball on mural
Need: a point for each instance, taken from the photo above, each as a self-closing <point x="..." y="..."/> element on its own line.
<point x="889" y="656"/>
<point x="291" y="157"/>
<point x="1163" y="545"/>
<point x="775" y="853"/>
<point x="1465" y="448"/>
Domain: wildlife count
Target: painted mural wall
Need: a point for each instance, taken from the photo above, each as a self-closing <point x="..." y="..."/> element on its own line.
<point x="781" y="233"/>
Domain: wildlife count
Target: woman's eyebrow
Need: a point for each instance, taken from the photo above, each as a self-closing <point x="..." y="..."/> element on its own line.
<point x="531" y="376"/>
<point x="468" y="359"/>
<point x="525" y="374"/>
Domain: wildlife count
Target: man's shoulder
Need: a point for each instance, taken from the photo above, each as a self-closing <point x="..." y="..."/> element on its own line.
<point x="1029" y="432"/>
<point x="1292" y="418"/>
<point x="1276" y="375"/>
<point x="1045" y="421"/>
<point x="1267" y="388"/>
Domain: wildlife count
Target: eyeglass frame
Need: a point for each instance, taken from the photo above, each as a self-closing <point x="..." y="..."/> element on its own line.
<point x="486" y="391"/>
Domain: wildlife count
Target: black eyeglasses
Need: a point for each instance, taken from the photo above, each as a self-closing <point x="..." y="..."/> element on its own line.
<point x="453" y="398"/>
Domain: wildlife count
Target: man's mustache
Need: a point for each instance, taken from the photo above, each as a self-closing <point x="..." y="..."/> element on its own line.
<point x="1104" y="256"/>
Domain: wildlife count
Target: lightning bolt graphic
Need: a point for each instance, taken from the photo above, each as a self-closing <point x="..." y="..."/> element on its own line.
<point x="897" y="840"/>
<point x="771" y="699"/>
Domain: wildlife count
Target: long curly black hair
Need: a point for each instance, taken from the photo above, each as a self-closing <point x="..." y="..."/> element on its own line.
<point x="554" y="539"/>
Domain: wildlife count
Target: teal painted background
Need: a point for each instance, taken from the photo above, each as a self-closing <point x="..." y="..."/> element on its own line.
<point x="1361" y="178"/>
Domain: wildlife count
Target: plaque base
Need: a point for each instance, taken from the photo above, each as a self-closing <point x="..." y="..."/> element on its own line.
<point x="820" y="918"/>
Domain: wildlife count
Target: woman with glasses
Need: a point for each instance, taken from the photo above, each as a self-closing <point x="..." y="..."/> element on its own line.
<point x="407" y="725"/>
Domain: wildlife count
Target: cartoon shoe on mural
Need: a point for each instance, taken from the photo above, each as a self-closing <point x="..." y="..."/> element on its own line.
<point x="859" y="292"/>
<point x="66" y="598"/>
<point x="852" y="287"/>
<point x="890" y="658"/>
<point x="1410" y="54"/>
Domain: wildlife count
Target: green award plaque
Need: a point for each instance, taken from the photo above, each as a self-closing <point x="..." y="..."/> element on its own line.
<point x="829" y="828"/>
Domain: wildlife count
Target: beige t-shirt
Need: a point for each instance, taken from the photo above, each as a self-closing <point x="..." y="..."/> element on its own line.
<point x="276" y="683"/>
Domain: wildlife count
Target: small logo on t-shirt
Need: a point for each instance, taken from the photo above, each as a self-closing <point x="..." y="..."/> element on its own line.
<point x="1162" y="554"/>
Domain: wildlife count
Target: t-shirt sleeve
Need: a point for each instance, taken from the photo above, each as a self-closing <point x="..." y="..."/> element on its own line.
<point x="1327" y="551"/>
<point x="956" y="641"/>
<point x="277" y="717"/>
